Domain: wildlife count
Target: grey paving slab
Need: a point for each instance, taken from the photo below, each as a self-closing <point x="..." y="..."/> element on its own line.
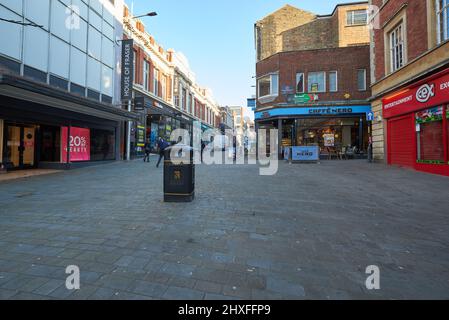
<point x="308" y="232"/>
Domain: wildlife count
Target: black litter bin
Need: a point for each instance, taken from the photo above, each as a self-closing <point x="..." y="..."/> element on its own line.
<point x="179" y="174"/>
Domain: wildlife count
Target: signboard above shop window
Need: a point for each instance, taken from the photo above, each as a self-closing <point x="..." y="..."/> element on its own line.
<point x="304" y="98"/>
<point x="251" y="103"/>
<point x="314" y="111"/>
<point x="430" y="93"/>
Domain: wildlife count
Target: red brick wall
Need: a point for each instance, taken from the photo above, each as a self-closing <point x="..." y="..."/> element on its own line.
<point x="139" y="64"/>
<point x="346" y="61"/>
<point x="417" y="37"/>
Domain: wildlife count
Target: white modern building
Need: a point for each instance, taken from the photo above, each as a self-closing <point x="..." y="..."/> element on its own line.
<point x="59" y="81"/>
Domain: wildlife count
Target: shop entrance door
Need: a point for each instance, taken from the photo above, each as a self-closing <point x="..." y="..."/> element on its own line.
<point x="20" y="146"/>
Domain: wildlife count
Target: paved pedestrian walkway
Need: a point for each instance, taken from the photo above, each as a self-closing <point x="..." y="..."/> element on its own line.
<point x="22" y="174"/>
<point x="308" y="232"/>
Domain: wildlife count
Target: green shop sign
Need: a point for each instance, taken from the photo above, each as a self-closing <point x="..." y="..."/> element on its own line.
<point x="305" y="98"/>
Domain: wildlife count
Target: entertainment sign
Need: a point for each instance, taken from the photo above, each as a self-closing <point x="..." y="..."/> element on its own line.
<point x="127" y="69"/>
<point x="417" y="97"/>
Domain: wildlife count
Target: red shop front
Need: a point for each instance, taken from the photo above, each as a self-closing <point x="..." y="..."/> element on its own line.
<point x="418" y="125"/>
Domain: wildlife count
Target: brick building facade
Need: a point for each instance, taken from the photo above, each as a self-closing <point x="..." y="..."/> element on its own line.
<point x="171" y="97"/>
<point x="314" y="84"/>
<point x="410" y="56"/>
<point x="346" y="61"/>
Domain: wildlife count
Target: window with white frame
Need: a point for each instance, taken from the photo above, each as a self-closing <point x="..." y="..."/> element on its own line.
<point x="356" y="17"/>
<point x="316" y="82"/>
<point x="333" y="81"/>
<point x="299" y="82"/>
<point x="269" y="85"/>
<point x="146" y="74"/>
<point x="190" y="104"/>
<point x="397" y="48"/>
<point x="156" y="82"/>
<point x="442" y="7"/>
<point x="361" y="79"/>
<point x="164" y="87"/>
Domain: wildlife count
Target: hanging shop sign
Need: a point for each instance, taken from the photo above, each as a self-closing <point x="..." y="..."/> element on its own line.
<point x="305" y="98"/>
<point x="79" y="144"/>
<point x="431" y="93"/>
<point x="140" y="136"/>
<point x="139" y="103"/>
<point x="251" y="103"/>
<point x="127" y="69"/>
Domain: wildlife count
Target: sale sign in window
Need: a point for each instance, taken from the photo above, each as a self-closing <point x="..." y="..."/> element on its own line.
<point x="78" y="144"/>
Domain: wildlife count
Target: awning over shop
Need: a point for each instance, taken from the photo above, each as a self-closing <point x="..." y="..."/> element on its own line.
<point x="24" y="89"/>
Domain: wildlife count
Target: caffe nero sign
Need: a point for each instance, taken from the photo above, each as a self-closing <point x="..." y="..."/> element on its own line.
<point x="127" y="69"/>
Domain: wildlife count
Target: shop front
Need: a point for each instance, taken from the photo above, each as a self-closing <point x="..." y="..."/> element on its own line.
<point x="338" y="131"/>
<point x="163" y="120"/>
<point x="44" y="128"/>
<point x="418" y="125"/>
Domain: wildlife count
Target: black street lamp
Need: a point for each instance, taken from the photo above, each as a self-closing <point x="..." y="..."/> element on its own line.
<point x="149" y="14"/>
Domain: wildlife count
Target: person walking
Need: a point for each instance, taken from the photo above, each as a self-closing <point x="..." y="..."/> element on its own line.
<point x="162" y="144"/>
<point x="147" y="148"/>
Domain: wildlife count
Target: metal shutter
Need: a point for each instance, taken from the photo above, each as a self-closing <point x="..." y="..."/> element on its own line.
<point x="401" y="135"/>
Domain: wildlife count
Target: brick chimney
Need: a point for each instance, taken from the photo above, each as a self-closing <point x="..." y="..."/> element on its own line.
<point x="170" y="55"/>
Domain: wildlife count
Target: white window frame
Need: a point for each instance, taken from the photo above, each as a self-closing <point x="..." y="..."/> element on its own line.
<point x="303" y="82"/>
<point x="309" y="90"/>
<point x="396" y="40"/>
<point x="274" y="90"/>
<point x="364" y="80"/>
<point x="190" y="104"/>
<point x="443" y="35"/>
<point x="350" y="15"/>
<point x="164" y="87"/>
<point x="336" y="81"/>
<point x="146" y="74"/>
<point x="156" y="82"/>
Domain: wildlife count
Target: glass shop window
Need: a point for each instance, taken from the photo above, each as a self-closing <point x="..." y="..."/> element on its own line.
<point x="429" y="128"/>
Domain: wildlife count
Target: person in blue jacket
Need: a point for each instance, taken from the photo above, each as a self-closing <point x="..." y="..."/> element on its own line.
<point x="162" y="144"/>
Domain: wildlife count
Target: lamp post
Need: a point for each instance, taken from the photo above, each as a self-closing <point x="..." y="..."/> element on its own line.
<point x="150" y="14"/>
<point x="128" y="142"/>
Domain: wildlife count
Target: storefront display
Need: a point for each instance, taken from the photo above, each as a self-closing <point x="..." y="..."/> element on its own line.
<point x="78" y="144"/>
<point x="429" y="128"/>
<point x="102" y="146"/>
<point x="330" y="128"/>
<point x="417" y="125"/>
<point x="333" y="134"/>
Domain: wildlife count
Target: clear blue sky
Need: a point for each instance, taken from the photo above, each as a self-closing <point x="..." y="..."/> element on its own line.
<point x="217" y="36"/>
